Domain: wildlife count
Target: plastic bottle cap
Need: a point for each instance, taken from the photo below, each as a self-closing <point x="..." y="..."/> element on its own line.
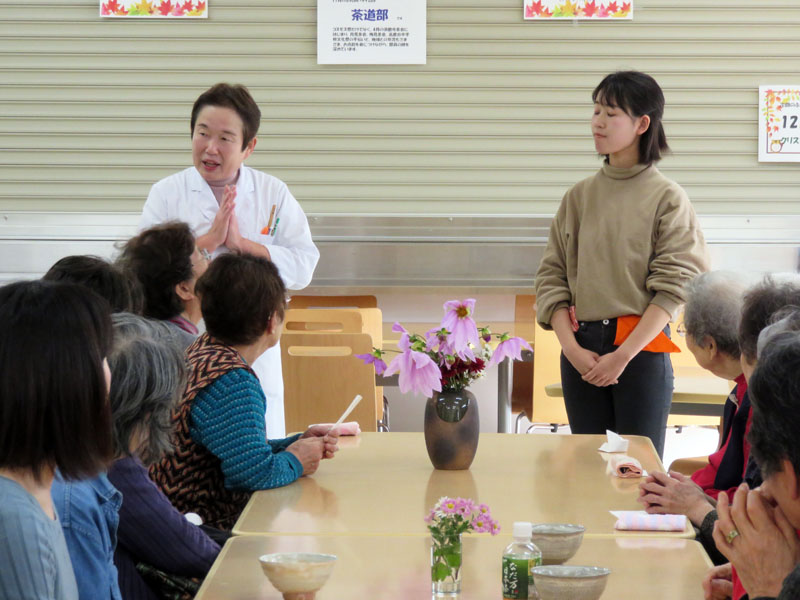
<point x="522" y="529"/>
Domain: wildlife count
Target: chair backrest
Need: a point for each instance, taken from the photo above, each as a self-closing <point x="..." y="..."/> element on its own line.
<point x="302" y="301"/>
<point x="522" y="388"/>
<point x="323" y="320"/>
<point x="321" y="377"/>
<point x="547" y="370"/>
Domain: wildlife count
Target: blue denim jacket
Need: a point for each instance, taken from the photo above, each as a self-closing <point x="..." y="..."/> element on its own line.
<point x="89" y="514"/>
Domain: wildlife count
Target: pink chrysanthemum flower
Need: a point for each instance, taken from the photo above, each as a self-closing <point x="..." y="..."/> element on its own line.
<point x="508" y="347"/>
<point x="458" y="321"/>
<point x="449" y="506"/>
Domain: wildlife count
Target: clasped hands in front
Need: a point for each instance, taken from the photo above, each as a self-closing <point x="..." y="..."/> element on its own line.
<point x="764" y="549"/>
<point x="224" y="230"/>
<point x="598" y="370"/>
<point x="317" y="443"/>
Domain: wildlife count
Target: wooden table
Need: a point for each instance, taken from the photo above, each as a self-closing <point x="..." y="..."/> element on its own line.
<point x="390" y="339"/>
<point x="384" y="484"/>
<point x="398" y="567"/>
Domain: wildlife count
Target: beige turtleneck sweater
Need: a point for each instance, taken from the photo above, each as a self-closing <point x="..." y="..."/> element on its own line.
<point x="621" y="240"/>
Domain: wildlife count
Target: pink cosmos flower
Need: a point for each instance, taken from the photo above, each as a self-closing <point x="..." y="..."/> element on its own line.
<point x="371" y="359"/>
<point x="458" y="321"/>
<point x="508" y="347"/>
<point x="417" y="370"/>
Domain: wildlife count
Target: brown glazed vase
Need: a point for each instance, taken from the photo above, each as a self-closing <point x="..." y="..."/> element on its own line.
<point x="452" y="426"/>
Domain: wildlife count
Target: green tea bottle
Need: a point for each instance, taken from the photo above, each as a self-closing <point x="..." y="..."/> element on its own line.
<point x="519" y="558"/>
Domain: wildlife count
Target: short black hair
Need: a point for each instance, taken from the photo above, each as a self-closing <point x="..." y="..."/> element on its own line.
<point x="774" y="391"/>
<point x="160" y="258"/>
<point x="105" y="279"/>
<point x="236" y="97"/>
<point x="54" y="409"/>
<point x="239" y="293"/>
<point x="637" y="94"/>
<point x="762" y="303"/>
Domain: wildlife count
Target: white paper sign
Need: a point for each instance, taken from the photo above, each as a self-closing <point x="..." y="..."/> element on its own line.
<point x="779" y="123"/>
<point x="371" y="32"/>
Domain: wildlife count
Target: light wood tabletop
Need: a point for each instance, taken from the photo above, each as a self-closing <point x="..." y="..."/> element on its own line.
<point x="398" y="567"/>
<point x="384" y="484"/>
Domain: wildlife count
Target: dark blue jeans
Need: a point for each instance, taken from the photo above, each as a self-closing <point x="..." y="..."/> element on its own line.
<point x="637" y="405"/>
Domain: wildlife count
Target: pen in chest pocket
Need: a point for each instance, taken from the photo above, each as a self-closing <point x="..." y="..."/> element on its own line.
<point x="266" y="229"/>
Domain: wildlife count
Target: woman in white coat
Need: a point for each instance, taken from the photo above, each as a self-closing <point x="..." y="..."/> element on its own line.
<point x="233" y="208"/>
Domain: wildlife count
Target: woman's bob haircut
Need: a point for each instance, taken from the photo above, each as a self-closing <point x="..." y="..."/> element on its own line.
<point x="54" y="410"/>
<point x="637" y="94"/>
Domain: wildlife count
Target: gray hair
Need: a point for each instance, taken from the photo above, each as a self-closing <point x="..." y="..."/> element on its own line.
<point x="148" y="373"/>
<point x="714" y="309"/>
<point x="786" y="319"/>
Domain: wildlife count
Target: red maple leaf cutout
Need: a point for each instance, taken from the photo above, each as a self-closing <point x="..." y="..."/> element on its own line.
<point x="612" y="7"/>
<point x="626" y="7"/>
<point x="112" y="8"/>
<point x="165" y="8"/>
<point x="590" y="9"/>
<point x="603" y="12"/>
<point x="186" y="6"/>
<point x="201" y="6"/>
<point x="535" y="9"/>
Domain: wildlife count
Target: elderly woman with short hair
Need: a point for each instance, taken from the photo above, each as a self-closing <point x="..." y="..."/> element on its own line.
<point x="222" y="452"/>
<point x="758" y="530"/>
<point x="167" y="263"/>
<point x="147" y="377"/>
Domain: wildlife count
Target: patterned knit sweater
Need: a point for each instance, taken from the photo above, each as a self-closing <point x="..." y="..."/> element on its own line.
<point x="221" y="450"/>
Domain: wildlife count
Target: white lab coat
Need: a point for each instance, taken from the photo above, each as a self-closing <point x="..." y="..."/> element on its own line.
<point x="186" y="196"/>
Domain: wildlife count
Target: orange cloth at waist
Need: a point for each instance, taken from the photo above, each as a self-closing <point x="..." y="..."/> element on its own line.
<point x="661" y="343"/>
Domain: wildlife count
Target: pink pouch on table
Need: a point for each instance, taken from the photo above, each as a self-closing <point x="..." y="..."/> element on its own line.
<point x="638" y="520"/>
<point x="625" y="466"/>
<point x="349" y="428"/>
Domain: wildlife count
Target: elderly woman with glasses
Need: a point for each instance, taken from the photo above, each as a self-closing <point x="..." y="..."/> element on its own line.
<point x="757" y="529"/>
<point x="718" y="296"/>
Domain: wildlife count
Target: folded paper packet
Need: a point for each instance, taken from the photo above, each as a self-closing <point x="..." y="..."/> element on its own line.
<point x="639" y="520"/>
<point x="624" y="466"/>
<point x="349" y="428"/>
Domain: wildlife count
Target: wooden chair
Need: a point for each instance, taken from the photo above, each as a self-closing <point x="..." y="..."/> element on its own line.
<point x="342" y="320"/>
<point x="322" y="375"/>
<point x="546" y="371"/>
<point x="688" y="466"/>
<point x="333" y="302"/>
<point x="522" y="380"/>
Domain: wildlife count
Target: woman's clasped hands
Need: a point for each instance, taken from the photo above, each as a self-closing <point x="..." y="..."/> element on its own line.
<point x="758" y="540"/>
<point x="317" y="443"/>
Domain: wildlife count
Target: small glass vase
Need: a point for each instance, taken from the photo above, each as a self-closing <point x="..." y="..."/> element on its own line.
<point x="446" y="566"/>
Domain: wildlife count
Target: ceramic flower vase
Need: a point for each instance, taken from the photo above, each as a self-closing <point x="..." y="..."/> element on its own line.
<point x="452" y="426"/>
<point x="446" y="566"/>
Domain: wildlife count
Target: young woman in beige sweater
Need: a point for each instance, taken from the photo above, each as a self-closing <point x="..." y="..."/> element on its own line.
<point x="622" y="245"/>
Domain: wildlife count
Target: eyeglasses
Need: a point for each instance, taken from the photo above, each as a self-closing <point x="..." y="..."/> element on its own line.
<point x="681" y="329"/>
<point x="204" y="253"/>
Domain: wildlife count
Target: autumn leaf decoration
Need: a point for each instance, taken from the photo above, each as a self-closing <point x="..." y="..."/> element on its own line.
<point x="574" y="9"/>
<point x="158" y="8"/>
<point x="773" y="104"/>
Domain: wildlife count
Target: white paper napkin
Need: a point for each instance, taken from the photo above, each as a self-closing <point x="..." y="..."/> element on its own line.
<point x="615" y="443"/>
<point x="639" y="520"/>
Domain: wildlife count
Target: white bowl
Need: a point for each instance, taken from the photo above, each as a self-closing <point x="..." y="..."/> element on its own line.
<point x="298" y="575"/>
<point x="558" y="582"/>
<point x="558" y="541"/>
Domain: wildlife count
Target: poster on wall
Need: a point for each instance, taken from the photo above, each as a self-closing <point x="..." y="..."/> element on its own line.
<point x="779" y="123"/>
<point x="371" y="32"/>
<point x="160" y="9"/>
<point x="578" y="9"/>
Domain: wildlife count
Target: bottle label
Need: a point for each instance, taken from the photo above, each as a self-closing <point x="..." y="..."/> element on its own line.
<point x="517" y="576"/>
